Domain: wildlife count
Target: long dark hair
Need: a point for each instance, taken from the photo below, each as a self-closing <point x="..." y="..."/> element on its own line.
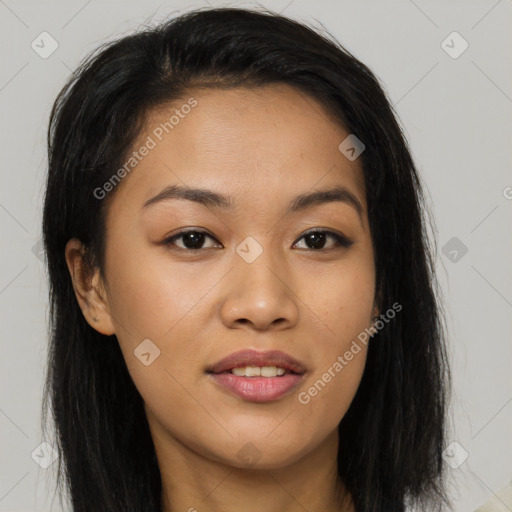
<point x="393" y="435"/>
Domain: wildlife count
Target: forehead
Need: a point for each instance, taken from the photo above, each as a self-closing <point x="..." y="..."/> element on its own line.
<point x="273" y="140"/>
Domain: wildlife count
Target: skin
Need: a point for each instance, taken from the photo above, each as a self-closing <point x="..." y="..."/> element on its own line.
<point x="262" y="147"/>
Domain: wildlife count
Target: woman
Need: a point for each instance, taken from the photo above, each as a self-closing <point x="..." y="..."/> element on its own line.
<point x="243" y="307"/>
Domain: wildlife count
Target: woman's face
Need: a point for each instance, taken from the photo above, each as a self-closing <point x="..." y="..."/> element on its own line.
<point x="250" y="277"/>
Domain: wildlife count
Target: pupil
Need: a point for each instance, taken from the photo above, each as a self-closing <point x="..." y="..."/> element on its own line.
<point x="317" y="239"/>
<point x="193" y="240"/>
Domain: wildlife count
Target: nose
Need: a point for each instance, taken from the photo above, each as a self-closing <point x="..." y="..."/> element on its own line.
<point x="260" y="295"/>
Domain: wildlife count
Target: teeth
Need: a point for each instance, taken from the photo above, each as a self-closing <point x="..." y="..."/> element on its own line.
<point x="256" y="371"/>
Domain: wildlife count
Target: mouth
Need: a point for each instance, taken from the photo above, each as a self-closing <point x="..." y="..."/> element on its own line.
<point x="257" y="371"/>
<point x="251" y="361"/>
<point x="258" y="376"/>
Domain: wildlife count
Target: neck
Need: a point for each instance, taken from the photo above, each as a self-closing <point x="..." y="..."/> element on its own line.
<point x="194" y="483"/>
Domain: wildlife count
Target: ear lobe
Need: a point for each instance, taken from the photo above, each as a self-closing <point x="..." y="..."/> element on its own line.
<point x="89" y="288"/>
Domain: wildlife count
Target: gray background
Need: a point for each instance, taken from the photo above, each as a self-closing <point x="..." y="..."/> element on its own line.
<point x="456" y="115"/>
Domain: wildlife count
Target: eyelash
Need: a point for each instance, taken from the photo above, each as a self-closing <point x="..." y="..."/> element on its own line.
<point x="341" y="240"/>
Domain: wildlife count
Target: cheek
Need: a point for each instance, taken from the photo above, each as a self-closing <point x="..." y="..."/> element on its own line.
<point x="345" y="309"/>
<point x="149" y="297"/>
<point x="166" y="306"/>
<point x="341" y="303"/>
<point x="324" y="401"/>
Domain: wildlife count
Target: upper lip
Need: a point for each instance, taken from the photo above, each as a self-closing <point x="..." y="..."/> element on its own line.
<point x="254" y="358"/>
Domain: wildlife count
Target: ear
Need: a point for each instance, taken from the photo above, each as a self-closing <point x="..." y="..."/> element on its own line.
<point x="89" y="288"/>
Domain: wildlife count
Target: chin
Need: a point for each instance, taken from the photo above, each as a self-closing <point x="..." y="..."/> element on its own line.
<point x="261" y="452"/>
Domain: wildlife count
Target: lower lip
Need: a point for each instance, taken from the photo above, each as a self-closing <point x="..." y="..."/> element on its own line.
<point x="258" y="389"/>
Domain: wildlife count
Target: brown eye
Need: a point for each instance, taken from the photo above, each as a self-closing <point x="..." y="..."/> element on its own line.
<point x="192" y="240"/>
<point x="316" y="240"/>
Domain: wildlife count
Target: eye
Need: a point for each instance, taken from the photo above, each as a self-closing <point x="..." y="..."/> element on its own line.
<point x="193" y="239"/>
<point x="317" y="238"/>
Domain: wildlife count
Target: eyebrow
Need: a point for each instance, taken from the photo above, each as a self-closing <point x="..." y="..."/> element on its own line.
<point x="209" y="198"/>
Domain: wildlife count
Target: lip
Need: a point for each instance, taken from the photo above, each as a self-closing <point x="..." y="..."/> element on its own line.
<point x="258" y="389"/>
<point x="250" y="357"/>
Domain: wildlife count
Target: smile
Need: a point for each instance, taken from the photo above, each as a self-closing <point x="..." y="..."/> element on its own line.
<point x="258" y="376"/>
